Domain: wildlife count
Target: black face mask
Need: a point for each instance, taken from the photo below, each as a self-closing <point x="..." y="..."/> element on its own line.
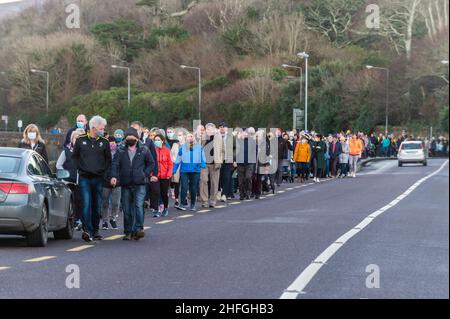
<point x="131" y="142"/>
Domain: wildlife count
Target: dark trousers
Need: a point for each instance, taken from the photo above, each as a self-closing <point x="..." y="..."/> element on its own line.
<point x="159" y="191"/>
<point x="92" y="198"/>
<point x="334" y="165"/>
<point x="226" y="179"/>
<point x="189" y="181"/>
<point x="302" y="170"/>
<point x="257" y="184"/>
<point x="245" y="175"/>
<point x="77" y="201"/>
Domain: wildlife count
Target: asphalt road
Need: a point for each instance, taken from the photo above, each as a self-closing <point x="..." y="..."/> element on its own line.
<point x="265" y="248"/>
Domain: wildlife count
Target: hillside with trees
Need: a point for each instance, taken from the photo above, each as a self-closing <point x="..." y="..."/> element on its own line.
<point x="240" y="46"/>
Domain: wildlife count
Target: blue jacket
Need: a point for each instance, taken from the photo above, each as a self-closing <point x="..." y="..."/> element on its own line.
<point x="190" y="161"/>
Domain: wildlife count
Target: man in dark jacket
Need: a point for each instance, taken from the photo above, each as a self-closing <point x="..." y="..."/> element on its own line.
<point x="81" y="123"/>
<point x="246" y="161"/>
<point x="92" y="157"/>
<point x="335" y="151"/>
<point x="131" y="168"/>
<point x="283" y="151"/>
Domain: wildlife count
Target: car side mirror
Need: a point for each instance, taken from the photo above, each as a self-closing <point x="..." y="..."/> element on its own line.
<point x="62" y="174"/>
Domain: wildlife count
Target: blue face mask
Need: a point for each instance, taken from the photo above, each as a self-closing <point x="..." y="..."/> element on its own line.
<point x="158" y="144"/>
<point x="100" y="133"/>
<point x="119" y="139"/>
<point x="80" y="125"/>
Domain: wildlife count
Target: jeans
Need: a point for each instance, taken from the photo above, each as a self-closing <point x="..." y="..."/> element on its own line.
<point x="133" y="198"/>
<point x="189" y="181"/>
<point x="111" y="209"/>
<point x="91" y="193"/>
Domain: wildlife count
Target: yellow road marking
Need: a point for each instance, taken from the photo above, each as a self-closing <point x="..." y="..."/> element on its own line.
<point x="4" y="268"/>
<point x="44" y="258"/>
<point x="114" y="237"/>
<point x="185" y="216"/>
<point x="204" y="211"/>
<point x="80" y="248"/>
<point x="164" y="222"/>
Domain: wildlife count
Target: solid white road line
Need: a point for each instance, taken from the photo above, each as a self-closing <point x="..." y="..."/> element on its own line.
<point x="4" y="268"/>
<point x="298" y="285"/>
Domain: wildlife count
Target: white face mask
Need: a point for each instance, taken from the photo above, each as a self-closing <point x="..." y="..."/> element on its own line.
<point x="32" y="136"/>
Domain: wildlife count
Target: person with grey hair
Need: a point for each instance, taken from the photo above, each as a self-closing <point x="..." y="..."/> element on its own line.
<point x="92" y="157"/>
<point x="214" y="149"/>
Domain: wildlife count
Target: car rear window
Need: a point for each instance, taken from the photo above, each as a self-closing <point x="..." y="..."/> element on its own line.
<point x="9" y="165"/>
<point x="411" y="146"/>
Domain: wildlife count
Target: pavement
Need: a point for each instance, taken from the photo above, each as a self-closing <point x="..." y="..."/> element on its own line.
<point x="290" y="245"/>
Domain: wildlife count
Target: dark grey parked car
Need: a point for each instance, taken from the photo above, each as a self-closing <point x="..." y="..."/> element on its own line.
<point x="33" y="200"/>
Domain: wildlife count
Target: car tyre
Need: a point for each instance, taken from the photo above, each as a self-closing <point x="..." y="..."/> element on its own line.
<point x="400" y="164"/>
<point x="39" y="237"/>
<point x="66" y="232"/>
<point x="424" y="163"/>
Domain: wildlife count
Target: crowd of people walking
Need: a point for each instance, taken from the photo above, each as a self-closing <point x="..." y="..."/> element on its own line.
<point x="138" y="168"/>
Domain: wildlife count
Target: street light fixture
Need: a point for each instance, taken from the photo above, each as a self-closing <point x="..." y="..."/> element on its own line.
<point x="199" y="88"/>
<point x="48" y="81"/>
<point x="305" y="56"/>
<point x="370" y="67"/>
<point x="287" y="66"/>
<point x="129" y="79"/>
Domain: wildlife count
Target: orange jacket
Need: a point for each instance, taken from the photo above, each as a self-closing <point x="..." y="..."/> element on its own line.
<point x="355" y="146"/>
<point x="302" y="153"/>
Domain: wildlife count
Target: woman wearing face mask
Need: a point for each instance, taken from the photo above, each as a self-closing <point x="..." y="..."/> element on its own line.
<point x="159" y="189"/>
<point x="302" y="156"/>
<point x="191" y="160"/>
<point x="32" y="140"/>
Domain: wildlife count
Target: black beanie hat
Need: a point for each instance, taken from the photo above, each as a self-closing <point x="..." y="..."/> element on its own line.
<point x="131" y="131"/>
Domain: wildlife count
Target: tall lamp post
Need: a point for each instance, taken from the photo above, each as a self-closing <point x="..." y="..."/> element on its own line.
<point x="370" y="67"/>
<point x="305" y="56"/>
<point x="48" y="81"/>
<point x="129" y="79"/>
<point x="199" y="88"/>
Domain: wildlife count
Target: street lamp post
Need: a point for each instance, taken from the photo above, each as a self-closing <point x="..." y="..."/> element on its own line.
<point x="305" y="56"/>
<point x="48" y="81"/>
<point x="370" y="67"/>
<point x="199" y="88"/>
<point x="129" y="80"/>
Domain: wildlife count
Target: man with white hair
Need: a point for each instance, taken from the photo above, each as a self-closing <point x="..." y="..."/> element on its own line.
<point x="92" y="157"/>
<point x="215" y="152"/>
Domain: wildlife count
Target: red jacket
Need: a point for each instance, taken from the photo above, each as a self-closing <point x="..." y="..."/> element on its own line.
<point x="165" y="162"/>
